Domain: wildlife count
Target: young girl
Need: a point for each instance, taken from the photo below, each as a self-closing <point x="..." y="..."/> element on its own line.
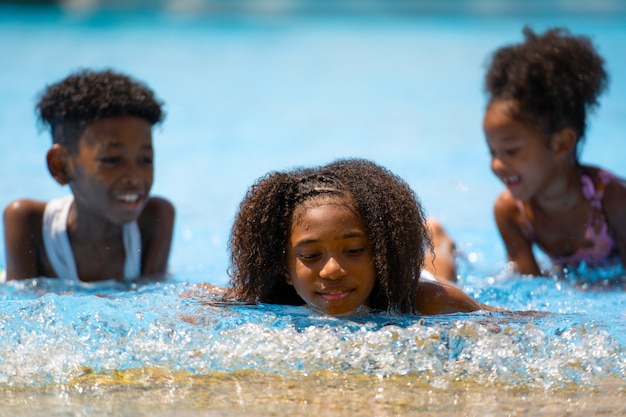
<point x="340" y="238"/>
<point x="540" y="92"/>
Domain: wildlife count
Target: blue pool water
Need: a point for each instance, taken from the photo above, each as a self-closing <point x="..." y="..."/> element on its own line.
<point x="247" y="94"/>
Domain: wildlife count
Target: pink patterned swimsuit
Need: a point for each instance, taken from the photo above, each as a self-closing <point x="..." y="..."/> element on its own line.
<point x="602" y="249"/>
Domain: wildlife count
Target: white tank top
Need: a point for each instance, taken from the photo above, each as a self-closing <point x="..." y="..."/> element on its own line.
<point x="59" y="250"/>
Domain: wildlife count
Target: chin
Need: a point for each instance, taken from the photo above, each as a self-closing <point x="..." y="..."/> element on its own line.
<point x="122" y="220"/>
<point x="339" y="311"/>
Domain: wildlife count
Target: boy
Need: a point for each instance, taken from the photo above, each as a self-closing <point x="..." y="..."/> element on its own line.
<point x="109" y="227"/>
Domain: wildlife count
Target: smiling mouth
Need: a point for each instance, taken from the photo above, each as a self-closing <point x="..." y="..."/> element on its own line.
<point x="129" y="198"/>
<point x="335" y="295"/>
<point x="513" y="180"/>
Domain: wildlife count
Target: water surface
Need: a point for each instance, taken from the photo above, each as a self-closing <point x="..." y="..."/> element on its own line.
<point x="247" y="94"/>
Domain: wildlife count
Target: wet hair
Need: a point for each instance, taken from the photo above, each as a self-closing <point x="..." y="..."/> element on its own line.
<point x="391" y="213"/>
<point x="555" y="79"/>
<point x="69" y="106"/>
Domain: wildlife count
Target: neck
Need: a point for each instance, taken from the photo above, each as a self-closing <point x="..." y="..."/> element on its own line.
<point x="87" y="226"/>
<point x="562" y="193"/>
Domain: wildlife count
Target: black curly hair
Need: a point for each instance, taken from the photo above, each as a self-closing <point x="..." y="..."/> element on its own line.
<point x="392" y="215"/>
<point x="69" y="106"/>
<point x="555" y="78"/>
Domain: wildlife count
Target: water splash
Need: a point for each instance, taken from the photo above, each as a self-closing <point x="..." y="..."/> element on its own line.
<point x="59" y="336"/>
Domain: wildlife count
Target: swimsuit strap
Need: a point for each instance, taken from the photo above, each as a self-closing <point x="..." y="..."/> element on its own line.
<point x="596" y="231"/>
<point x="594" y="193"/>
<point x="427" y="276"/>
<point x="132" y="247"/>
<point x="55" y="239"/>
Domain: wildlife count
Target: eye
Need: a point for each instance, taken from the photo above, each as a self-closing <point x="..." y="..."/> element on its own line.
<point x="146" y="160"/>
<point x="109" y="160"/>
<point x="355" y="251"/>
<point x="308" y="256"/>
<point x="511" y="152"/>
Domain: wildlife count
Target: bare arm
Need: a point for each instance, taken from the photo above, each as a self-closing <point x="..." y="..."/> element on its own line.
<point x="518" y="246"/>
<point x="445" y="298"/>
<point x="157" y="226"/>
<point x="614" y="204"/>
<point x="23" y="239"/>
<point x="440" y="262"/>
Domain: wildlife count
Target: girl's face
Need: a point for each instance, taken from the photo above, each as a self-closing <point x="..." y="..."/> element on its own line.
<point x="520" y="155"/>
<point x="329" y="256"/>
<point x="112" y="172"/>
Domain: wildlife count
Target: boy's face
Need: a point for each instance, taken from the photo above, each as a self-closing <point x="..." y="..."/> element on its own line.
<point x="329" y="257"/>
<point x="112" y="172"/>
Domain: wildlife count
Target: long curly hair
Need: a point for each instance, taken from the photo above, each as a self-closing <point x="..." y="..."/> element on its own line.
<point x="555" y="78"/>
<point x="69" y="106"/>
<point x="392" y="215"/>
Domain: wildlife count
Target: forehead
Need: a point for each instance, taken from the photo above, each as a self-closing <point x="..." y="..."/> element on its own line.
<point x="501" y="111"/>
<point x="502" y="123"/>
<point x="118" y="131"/>
<point x="324" y="202"/>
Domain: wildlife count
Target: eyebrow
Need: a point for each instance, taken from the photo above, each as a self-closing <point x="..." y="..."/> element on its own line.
<point x="509" y="138"/>
<point x="118" y="145"/>
<point x="348" y="235"/>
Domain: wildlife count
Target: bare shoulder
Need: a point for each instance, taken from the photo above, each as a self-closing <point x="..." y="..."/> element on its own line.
<point x="157" y="225"/>
<point x="24" y="211"/>
<point x="507" y="214"/>
<point x="436" y="297"/>
<point x="614" y="201"/>
<point x="23" y="237"/>
<point x="23" y="220"/>
<point x="505" y="206"/>
<point x="158" y="211"/>
<point x="615" y="189"/>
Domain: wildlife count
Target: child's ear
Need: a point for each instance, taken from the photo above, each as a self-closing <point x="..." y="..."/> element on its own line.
<point x="57" y="159"/>
<point x="564" y="141"/>
<point x="288" y="279"/>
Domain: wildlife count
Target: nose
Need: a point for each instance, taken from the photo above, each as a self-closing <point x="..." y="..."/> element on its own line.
<point x="131" y="180"/>
<point x="332" y="269"/>
<point x="496" y="165"/>
<point x="134" y="174"/>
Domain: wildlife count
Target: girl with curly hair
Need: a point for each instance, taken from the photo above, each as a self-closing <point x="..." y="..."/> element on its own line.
<point x="340" y="238"/>
<point x="540" y="93"/>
